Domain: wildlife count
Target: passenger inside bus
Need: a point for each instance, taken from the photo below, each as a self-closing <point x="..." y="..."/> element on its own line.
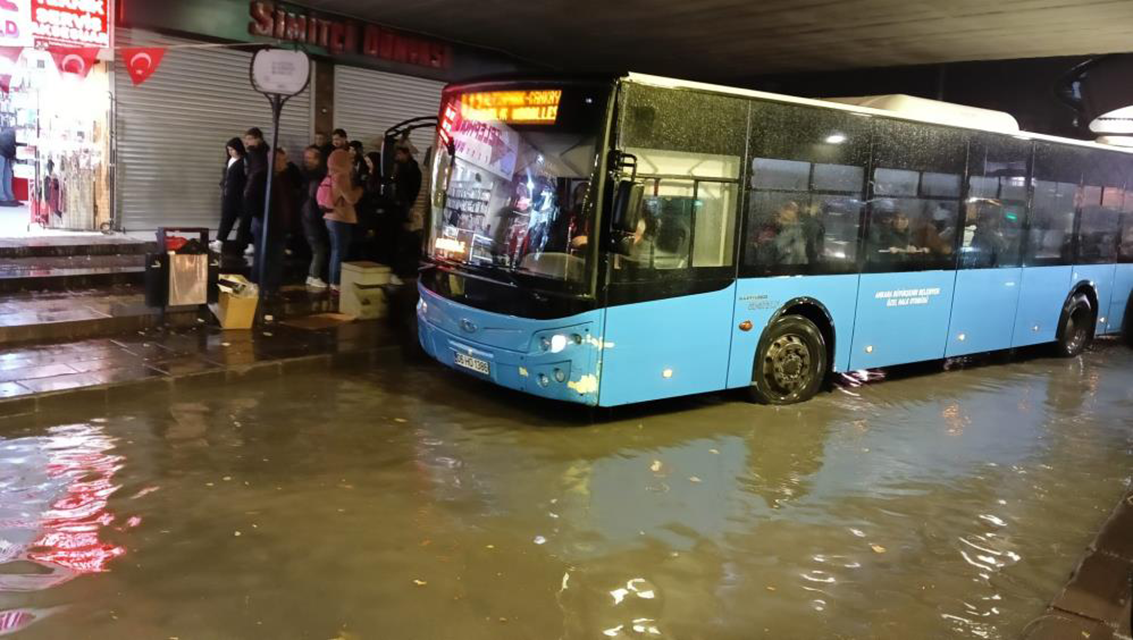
<point x="783" y="240"/>
<point x="895" y="236"/>
<point x="986" y="245"/>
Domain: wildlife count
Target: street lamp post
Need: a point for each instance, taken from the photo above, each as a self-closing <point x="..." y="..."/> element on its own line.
<point x="280" y="75"/>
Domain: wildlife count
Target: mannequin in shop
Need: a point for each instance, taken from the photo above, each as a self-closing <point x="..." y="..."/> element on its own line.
<point x="8" y="158"/>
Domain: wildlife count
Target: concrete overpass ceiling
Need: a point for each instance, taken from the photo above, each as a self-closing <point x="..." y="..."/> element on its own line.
<point x="735" y="39"/>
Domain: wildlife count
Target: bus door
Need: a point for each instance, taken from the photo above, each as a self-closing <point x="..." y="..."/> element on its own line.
<point x="670" y="284"/>
<point x="1049" y="250"/>
<point x="906" y="288"/>
<point x="990" y="276"/>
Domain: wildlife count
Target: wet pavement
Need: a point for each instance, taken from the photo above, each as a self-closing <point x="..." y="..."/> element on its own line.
<point x="411" y="502"/>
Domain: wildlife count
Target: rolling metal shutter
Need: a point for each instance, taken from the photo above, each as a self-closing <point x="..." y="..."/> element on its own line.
<point x="171" y="131"/>
<point x="366" y="103"/>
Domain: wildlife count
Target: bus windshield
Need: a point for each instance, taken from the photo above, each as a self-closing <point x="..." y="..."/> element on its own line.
<point x="515" y="199"/>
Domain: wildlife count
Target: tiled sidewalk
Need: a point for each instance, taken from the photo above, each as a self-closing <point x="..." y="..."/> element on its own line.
<point x="39" y="377"/>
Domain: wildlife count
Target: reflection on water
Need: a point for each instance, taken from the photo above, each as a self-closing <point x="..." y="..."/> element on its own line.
<point x="54" y="490"/>
<point x="414" y="503"/>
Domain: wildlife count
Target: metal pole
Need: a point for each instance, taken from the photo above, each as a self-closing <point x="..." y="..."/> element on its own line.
<point x="261" y="251"/>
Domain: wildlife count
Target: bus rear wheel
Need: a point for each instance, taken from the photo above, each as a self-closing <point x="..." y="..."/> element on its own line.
<point x="1076" y="331"/>
<point x="790" y="365"/>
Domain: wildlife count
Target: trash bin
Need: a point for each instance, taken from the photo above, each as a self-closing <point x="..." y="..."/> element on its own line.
<point x="235" y="307"/>
<point x="182" y="272"/>
<point x="362" y="294"/>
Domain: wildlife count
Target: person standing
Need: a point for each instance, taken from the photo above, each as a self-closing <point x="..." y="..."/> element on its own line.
<point x="253" y="144"/>
<point x="8" y="159"/>
<point x="231" y="193"/>
<point x="339" y="196"/>
<point x="323" y="144"/>
<point x="315" y="230"/>
<point x="339" y="140"/>
<point x="406" y="187"/>
<point x="358" y="158"/>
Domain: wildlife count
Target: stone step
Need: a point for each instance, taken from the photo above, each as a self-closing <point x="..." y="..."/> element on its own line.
<point x="60" y="273"/>
<point x="74" y="245"/>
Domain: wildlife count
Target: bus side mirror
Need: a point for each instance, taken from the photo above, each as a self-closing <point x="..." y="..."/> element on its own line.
<point x="627" y="206"/>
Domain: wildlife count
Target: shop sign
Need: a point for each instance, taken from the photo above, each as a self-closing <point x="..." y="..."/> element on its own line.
<point x="346" y="37"/>
<point x="15" y="23"/>
<point x="71" y="22"/>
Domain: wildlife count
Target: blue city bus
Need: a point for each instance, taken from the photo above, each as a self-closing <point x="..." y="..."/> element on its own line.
<point x="630" y="239"/>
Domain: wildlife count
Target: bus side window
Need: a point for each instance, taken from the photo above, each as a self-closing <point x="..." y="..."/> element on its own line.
<point x="807" y="184"/>
<point x="1097" y="233"/>
<point x="997" y="203"/>
<point x="689" y="149"/>
<point x="1125" y="243"/>
<point x="1058" y="197"/>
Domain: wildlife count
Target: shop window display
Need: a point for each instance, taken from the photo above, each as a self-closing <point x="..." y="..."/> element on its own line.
<point x="60" y="121"/>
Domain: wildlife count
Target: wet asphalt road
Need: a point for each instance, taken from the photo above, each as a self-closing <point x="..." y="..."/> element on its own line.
<point x="411" y="502"/>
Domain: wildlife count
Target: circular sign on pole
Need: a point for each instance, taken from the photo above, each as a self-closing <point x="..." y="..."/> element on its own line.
<point x="280" y="72"/>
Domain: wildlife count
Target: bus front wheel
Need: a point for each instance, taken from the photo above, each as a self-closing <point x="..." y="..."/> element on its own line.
<point x="790" y="365"/>
<point x="1077" y="328"/>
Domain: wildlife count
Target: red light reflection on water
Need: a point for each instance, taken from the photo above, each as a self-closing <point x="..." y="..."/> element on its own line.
<point x="72" y="525"/>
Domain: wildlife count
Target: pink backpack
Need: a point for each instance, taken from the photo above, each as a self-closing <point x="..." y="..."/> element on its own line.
<point x="324" y="196"/>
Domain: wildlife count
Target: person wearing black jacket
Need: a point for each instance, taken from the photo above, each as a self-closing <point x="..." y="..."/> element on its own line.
<point x="8" y="158"/>
<point x="311" y="216"/>
<point x="406" y="186"/>
<point x="232" y="196"/>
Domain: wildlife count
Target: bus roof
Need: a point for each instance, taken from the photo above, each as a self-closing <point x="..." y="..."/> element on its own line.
<point x="932" y="116"/>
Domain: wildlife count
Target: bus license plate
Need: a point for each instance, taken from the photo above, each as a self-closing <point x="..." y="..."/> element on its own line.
<point x="474" y="364"/>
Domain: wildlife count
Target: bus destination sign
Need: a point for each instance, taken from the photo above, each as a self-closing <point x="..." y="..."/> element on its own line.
<point x="512" y="107"/>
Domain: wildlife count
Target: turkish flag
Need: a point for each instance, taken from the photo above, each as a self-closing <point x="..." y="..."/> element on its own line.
<point x="76" y="60"/>
<point x="11" y="53"/>
<point x="141" y="62"/>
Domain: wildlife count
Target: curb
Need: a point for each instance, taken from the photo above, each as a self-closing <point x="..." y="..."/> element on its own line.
<point x="104" y="395"/>
<point x="1096" y="600"/>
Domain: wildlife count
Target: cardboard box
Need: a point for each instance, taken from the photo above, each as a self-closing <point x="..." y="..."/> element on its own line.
<point x="236" y="306"/>
<point x="362" y="294"/>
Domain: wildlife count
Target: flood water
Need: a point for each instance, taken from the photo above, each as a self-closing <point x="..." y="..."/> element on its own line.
<point x="409" y="502"/>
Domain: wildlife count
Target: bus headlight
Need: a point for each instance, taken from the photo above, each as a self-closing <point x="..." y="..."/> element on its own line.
<point x="558" y="343"/>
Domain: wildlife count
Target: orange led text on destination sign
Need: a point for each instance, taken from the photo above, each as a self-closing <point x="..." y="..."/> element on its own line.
<point x="517" y="107"/>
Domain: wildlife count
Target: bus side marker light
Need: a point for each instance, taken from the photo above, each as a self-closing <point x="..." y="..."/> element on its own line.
<point x="962" y="337"/>
<point x="1101" y="320"/>
<point x="746" y="325"/>
<point x="1035" y="328"/>
<point x="667" y="373"/>
<point x="869" y="348"/>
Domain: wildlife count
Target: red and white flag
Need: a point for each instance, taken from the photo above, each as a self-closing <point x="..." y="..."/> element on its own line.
<point x="11" y="53"/>
<point x="76" y="60"/>
<point x="141" y="62"/>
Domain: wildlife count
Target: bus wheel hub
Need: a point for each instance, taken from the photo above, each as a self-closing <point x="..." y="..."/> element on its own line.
<point x="790" y="362"/>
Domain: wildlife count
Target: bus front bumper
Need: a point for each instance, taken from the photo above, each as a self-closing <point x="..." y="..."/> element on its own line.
<point x="558" y="360"/>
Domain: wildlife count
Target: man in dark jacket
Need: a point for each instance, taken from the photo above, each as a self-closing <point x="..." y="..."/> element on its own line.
<point x="8" y="158"/>
<point x="311" y="215"/>
<point x="406" y="186"/>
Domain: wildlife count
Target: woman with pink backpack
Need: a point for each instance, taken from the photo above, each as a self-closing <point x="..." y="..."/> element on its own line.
<point x="337" y="196"/>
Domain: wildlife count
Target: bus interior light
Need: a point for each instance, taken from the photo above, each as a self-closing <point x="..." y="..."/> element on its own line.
<point x="835" y="138"/>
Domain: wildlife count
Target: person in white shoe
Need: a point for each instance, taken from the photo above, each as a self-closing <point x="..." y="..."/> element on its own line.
<point x="232" y="193"/>
<point x="314" y="229"/>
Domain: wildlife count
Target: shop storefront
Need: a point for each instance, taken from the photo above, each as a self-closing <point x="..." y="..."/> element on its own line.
<point x="171" y="130"/>
<point x="57" y="103"/>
